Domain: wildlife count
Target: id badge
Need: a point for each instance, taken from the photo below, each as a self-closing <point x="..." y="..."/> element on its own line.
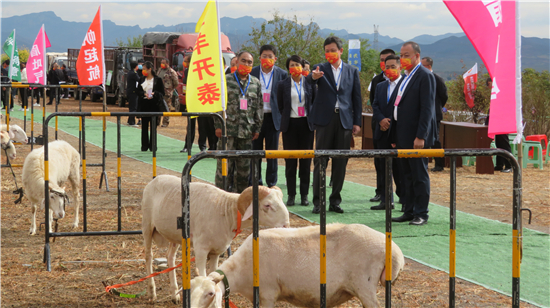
<point x="397" y="100"/>
<point x="301" y="112"/>
<point x="244" y="104"/>
<point x="267" y="97"/>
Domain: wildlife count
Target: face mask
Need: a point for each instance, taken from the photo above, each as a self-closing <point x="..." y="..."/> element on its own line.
<point x="185" y="65"/>
<point x="233" y="69"/>
<point x="305" y="73"/>
<point x="140" y="67"/>
<point x="332" y="57"/>
<point x="163" y="66"/>
<point x="383" y="65"/>
<point x="244" y="69"/>
<point x="144" y="72"/>
<point x="392" y="74"/>
<point x="406" y="64"/>
<point x="295" y="71"/>
<point x="267" y="63"/>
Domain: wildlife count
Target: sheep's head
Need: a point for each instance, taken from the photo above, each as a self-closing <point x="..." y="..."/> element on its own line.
<point x="4" y="138"/>
<point x="273" y="212"/>
<point x="17" y="134"/>
<point x="10" y="150"/>
<point x="205" y="291"/>
<point x="58" y="201"/>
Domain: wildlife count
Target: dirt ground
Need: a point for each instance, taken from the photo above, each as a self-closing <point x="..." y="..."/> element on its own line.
<point x="81" y="264"/>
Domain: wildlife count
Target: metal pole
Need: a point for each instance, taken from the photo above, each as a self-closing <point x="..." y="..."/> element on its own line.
<point x="119" y="179"/>
<point x="186" y="241"/>
<point x="32" y="118"/>
<point x="80" y="123"/>
<point x="84" y="199"/>
<point x="153" y="143"/>
<point x="255" y="234"/>
<point x="517" y="232"/>
<point x="188" y="139"/>
<point x="47" y="259"/>
<point x="388" y="193"/>
<point x="452" y="235"/>
<point x="56" y="103"/>
<point x="323" y="236"/>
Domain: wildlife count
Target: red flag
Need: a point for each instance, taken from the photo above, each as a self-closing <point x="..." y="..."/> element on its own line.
<point x="90" y="65"/>
<point x="470" y="80"/>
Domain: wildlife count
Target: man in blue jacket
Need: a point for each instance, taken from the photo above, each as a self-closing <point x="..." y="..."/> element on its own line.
<point x="336" y="113"/>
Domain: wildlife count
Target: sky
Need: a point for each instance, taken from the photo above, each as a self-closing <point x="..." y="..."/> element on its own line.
<point x="400" y="19"/>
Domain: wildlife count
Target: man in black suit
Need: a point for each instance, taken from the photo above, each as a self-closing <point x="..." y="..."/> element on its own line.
<point x="414" y="116"/>
<point x="440" y="101"/>
<point x="382" y="107"/>
<point x="378" y="162"/>
<point x="269" y="76"/>
<point x="336" y="113"/>
<point x="132" y="81"/>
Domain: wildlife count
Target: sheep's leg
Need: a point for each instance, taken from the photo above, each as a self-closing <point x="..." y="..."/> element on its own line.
<point x="200" y="260"/>
<point x="147" y="242"/>
<point x="367" y="294"/>
<point x="32" y="231"/>
<point x="74" y="177"/>
<point x="213" y="263"/>
<point x="171" y="258"/>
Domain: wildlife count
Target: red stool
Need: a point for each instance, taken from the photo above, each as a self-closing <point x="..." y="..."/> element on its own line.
<point x="543" y="142"/>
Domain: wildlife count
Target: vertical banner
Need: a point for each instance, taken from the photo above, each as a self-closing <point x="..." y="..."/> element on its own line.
<point x="206" y="82"/>
<point x="470" y="80"/>
<point x="354" y="55"/>
<point x="491" y="27"/>
<point x="10" y="48"/>
<point x="36" y="64"/>
<point x="90" y="65"/>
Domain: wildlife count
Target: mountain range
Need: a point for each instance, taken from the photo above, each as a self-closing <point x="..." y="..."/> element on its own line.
<point x="447" y="50"/>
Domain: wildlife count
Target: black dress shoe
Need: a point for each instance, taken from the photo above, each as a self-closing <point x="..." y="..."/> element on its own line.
<point x="437" y="169"/>
<point x="290" y="201"/>
<point x="381" y="206"/>
<point x="498" y="168"/>
<point x="399" y="201"/>
<point x="335" y="208"/>
<point x="418" y="221"/>
<point x="375" y="198"/>
<point x="316" y="209"/>
<point x="304" y="201"/>
<point x="402" y="218"/>
<point x="506" y="170"/>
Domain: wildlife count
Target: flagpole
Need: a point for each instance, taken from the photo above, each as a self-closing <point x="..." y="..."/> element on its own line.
<point x="11" y="58"/>
<point x="222" y="73"/>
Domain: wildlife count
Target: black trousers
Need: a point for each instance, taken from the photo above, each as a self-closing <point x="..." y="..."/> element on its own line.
<point x="190" y="136"/>
<point x="502" y="142"/>
<point x="55" y="93"/>
<point x="416" y="185"/>
<point x="271" y="136"/>
<point x="381" y="176"/>
<point x="298" y="137"/>
<point x="207" y="130"/>
<point x="332" y="137"/>
<point x="24" y="94"/>
<point x="132" y="107"/>
<point x="146" y="142"/>
<point x="439" y="161"/>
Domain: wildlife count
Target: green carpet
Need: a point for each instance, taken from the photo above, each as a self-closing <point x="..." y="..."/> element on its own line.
<point x="484" y="247"/>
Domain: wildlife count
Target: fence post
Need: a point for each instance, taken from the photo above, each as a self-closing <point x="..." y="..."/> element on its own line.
<point x="452" y="235"/>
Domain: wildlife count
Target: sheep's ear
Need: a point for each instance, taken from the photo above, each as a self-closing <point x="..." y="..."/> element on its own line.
<point x="11" y="134"/>
<point x="217" y="279"/>
<point x="248" y="212"/>
<point x="278" y="191"/>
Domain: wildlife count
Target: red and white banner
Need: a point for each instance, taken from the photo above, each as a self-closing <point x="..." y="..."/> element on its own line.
<point x="36" y="64"/>
<point x="470" y="80"/>
<point x="90" y="65"/>
<point x="491" y="27"/>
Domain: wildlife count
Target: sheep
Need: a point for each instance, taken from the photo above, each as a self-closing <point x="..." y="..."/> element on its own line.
<point x="7" y="145"/>
<point x="16" y="133"/>
<point x="64" y="164"/>
<point x="213" y="220"/>
<point x="206" y="292"/>
<point x="289" y="266"/>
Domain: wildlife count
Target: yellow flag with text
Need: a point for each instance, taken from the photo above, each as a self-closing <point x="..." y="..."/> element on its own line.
<point x="206" y="78"/>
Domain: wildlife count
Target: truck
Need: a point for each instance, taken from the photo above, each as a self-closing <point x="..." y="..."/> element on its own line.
<point x="175" y="46"/>
<point x="117" y="66"/>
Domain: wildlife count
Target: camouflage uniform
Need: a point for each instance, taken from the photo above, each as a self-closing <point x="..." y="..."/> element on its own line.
<point x="170" y="79"/>
<point x="241" y="126"/>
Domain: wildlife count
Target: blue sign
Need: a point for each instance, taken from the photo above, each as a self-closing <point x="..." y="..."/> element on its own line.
<point x="354" y="56"/>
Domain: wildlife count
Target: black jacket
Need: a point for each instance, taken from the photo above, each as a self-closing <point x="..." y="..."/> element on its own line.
<point x="150" y="105"/>
<point x="284" y="100"/>
<point x="132" y="80"/>
<point x="383" y="109"/>
<point x="53" y="77"/>
<point x="441" y="96"/>
<point x="375" y="81"/>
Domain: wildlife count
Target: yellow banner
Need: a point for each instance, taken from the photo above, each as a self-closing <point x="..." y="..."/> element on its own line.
<point x="205" y="81"/>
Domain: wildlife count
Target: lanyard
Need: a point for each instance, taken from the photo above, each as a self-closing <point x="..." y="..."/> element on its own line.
<point x="402" y="89"/>
<point x="300" y="91"/>
<point x="239" y="82"/>
<point x="269" y="82"/>
<point x="337" y="80"/>
<point x="389" y="91"/>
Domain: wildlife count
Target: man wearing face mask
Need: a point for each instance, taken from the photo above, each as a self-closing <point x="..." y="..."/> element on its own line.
<point x="414" y="119"/>
<point x="170" y="80"/>
<point x="244" y="120"/>
<point x="269" y="76"/>
<point x="382" y="106"/>
<point x="140" y="67"/>
<point x="336" y="113"/>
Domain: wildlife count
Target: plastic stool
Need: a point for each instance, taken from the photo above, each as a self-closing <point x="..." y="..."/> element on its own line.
<point x="536" y="159"/>
<point x="543" y="142"/>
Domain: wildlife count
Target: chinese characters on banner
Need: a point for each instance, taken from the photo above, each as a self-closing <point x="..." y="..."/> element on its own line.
<point x="354" y="55"/>
<point x="206" y="82"/>
<point x="10" y="48"/>
<point x="90" y="66"/>
<point x="470" y="80"/>
<point x="36" y="64"/>
<point x="491" y="27"/>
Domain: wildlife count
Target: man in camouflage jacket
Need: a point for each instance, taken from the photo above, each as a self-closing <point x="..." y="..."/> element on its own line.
<point x="243" y="122"/>
<point x="170" y="80"/>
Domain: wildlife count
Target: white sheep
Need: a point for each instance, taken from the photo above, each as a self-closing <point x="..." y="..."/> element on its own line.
<point x="206" y="292"/>
<point x="9" y="147"/>
<point x="16" y="133"/>
<point x="289" y="267"/>
<point x="213" y="220"/>
<point x="64" y="164"/>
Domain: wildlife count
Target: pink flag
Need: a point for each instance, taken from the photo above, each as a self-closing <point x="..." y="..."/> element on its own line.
<point x="470" y="80"/>
<point x="491" y="27"/>
<point x="90" y="66"/>
<point x="36" y="64"/>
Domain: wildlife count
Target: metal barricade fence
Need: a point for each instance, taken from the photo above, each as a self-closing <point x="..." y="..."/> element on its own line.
<point x="82" y="116"/>
<point x="324" y="155"/>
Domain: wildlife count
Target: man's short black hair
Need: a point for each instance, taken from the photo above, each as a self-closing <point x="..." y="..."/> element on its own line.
<point x="294" y="58"/>
<point x="387" y="51"/>
<point x="429" y="60"/>
<point x="333" y="39"/>
<point x="166" y="60"/>
<point x="305" y="62"/>
<point x="242" y="53"/>
<point x="133" y="65"/>
<point x="7" y="62"/>
<point x="393" y="57"/>
<point x="268" y="47"/>
<point x="414" y="46"/>
<point x="489" y="79"/>
<point x="140" y="61"/>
